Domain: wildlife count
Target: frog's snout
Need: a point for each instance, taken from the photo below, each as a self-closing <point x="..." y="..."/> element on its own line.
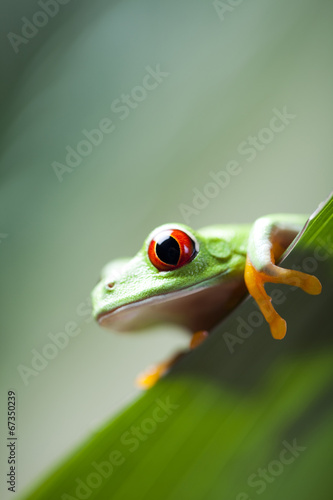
<point x="110" y="285"/>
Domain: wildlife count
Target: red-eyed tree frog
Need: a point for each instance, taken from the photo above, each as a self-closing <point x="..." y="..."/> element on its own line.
<point x="194" y="278"/>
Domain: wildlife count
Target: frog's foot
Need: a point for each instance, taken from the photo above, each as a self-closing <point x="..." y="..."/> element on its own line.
<point x="198" y="338"/>
<point x="151" y="375"/>
<point x="271" y="273"/>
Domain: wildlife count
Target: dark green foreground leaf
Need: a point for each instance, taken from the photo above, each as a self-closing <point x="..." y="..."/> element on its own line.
<point x="244" y="416"/>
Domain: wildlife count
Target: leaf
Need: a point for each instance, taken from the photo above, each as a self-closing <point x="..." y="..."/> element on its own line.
<point x="242" y="415"/>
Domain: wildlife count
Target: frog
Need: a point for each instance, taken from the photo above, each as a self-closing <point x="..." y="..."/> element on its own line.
<point x="195" y="278"/>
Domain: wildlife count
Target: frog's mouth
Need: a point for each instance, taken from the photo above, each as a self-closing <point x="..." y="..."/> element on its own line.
<point x="195" y="308"/>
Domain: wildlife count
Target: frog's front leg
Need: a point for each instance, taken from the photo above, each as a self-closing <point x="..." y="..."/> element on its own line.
<point x="151" y="375"/>
<point x="269" y="238"/>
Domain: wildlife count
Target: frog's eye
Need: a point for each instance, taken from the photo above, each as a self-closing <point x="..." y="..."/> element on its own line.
<point x="171" y="249"/>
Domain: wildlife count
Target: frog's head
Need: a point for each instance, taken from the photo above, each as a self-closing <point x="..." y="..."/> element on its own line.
<point x="172" y="277"/>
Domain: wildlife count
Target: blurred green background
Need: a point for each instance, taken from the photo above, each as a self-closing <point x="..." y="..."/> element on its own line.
<point x="224" y="74"/>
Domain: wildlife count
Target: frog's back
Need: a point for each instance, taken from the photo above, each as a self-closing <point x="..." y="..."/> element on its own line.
<point x="236" y="235"/>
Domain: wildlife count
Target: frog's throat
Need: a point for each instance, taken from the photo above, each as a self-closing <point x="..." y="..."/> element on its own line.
<point x="198" y="307"/>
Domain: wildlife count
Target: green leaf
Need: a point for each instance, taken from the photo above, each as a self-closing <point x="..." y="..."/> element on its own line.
<point x="243" y="415"/>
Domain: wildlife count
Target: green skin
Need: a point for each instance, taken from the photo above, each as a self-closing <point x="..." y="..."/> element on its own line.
<point x="133" y="294"/>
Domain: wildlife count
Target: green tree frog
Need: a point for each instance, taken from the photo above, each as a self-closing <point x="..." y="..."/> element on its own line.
<point x="194" y="278"/>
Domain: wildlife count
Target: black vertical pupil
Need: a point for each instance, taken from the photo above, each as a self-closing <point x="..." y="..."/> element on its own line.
<point x="168" y="250"/>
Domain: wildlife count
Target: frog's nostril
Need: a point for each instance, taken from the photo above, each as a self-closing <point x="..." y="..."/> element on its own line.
<point x="109" y="286"/>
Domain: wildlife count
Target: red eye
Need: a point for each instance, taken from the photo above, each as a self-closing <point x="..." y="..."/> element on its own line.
<point x="171" y="249"/>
